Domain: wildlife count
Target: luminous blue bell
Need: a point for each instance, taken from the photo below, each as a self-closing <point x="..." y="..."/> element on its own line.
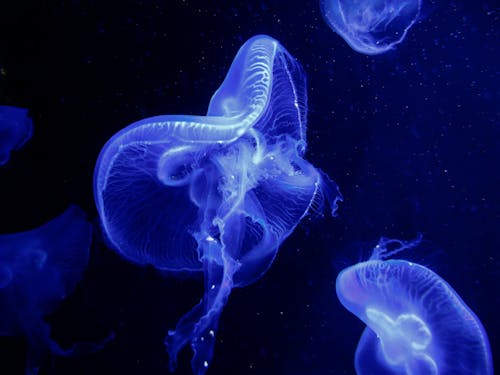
<point x="216" y="193"/>
<point x="416" y="323"/>
<point x="371" y="26"/>
<point x="16" y="128"/>
<point x="38" y="269"/>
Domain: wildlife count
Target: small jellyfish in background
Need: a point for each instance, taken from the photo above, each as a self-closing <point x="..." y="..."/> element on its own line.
<point x="416" y="323"/>
<point x="38" y="269"/>
<point x="371" y="26"/>
<point x="16" y="128"/>
<point x="216" y="194"/>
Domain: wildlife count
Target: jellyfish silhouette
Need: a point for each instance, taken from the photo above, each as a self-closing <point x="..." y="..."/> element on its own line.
<point x="16" y="129"/>
<point x="216" y="193"/>
<point x="416" y="323"/>
<point x="371" y="26"/>
<point x="38" y="269"/>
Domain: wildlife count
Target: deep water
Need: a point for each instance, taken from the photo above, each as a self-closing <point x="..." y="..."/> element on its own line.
<point x="412" y="138"/>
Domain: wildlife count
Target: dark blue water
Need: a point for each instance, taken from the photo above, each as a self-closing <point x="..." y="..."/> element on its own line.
<point x="412" y="137"/>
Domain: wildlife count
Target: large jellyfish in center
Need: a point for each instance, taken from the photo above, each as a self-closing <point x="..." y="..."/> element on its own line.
<point x="416" y="323"/>
<point x="217" y="193"/>
<point x="371" y="26"/>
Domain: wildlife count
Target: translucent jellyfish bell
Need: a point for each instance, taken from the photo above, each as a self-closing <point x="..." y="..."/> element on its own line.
<point x="38" y="269"/>
<point x="371" y="26"/>
<point x="16" y="128"/>
<point x="216" y="193"/>
<point x="416" y="323"/>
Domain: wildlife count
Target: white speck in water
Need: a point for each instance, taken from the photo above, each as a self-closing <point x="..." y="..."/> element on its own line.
<point x="205" y="364"/>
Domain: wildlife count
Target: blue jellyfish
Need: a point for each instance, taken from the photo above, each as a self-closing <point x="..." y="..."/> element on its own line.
<point x="371" y="26"/>
<point x="416" y="323"/>
<point x="216" y="193"/>
<point x="38" y="269"/>
<point x="16" y="129"/>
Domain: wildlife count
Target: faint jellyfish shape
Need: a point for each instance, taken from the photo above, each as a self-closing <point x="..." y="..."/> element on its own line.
<point x="416" y="323"/>
<point x="371" y="26"/>
<point x="38" y="269"/>
<point x="16" y="128"/>
<point x="216" y="193"/>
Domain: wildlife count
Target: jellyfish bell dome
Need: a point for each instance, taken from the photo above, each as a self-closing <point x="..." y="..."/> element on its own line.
<point x="416" y="322"/>
<point x="371" y="27"/>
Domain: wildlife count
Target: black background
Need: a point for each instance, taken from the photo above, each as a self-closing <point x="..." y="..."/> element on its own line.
<point x="412" y="137"/>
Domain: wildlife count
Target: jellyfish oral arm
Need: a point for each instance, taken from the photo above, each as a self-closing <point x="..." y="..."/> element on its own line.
<point x="200" y="324"/>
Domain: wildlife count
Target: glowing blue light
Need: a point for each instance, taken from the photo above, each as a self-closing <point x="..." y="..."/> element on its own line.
<point x="416" y="323"/>
<point x="16" y="129"/>
<point x="216" y="193"/>
<point x="371" y="26"/>
<point x="38" y="269"/>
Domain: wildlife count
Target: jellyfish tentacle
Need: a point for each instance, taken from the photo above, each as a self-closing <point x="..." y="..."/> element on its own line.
<point x="199" y="325"/>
